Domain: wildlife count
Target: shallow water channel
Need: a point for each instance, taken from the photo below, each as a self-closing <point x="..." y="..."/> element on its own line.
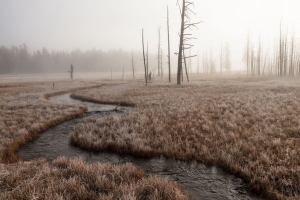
<point x="200" y="181"/>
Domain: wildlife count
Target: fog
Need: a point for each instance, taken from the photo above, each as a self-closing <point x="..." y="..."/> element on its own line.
<point x="117" y="25"/>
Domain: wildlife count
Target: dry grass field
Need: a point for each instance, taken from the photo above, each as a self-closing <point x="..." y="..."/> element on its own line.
<point x="24" y="113"/>
<point x="75" y="179"/>
<point x="250" y="127"/>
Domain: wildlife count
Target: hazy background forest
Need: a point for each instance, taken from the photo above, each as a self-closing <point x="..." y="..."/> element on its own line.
<point x="58" y="34"/>
<point x="21" y="60"/>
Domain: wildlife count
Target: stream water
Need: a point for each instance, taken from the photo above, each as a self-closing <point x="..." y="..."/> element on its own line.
<point x="200" y="181"/>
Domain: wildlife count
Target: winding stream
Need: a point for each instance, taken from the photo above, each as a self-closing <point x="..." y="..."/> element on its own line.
<point x="200" y="181"/>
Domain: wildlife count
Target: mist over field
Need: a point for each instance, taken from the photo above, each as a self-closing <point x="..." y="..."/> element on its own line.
<point x="150" y="99"/>
<point x="49" y="36"/>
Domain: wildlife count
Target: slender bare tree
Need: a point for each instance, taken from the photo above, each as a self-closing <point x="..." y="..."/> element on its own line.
<point x="227" y="57"/>
<point x="146" y="76"/>
<point x="147" y="63"/>
<point x="186" y="24"/>
<point x="221" y="59"/>
<point x="132" y="63"/>
<point x="258" y="57"/>
<point x="71" y="71"/>
<point x="169" y="59"/>
<point x="159" y="54"/>
<point x="198" y="64"/>
<point x="292" y="70"/>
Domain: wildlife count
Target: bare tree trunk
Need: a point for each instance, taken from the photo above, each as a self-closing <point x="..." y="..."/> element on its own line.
<point x="198" y="65"/>
<point x="146" y="78"/>
<point x="221" y="59"/>
<point x="280" y="54"/>
<point x="285" y="55"/>
<point x="169" y="59"/>
<point x="148" y="62"/>
<point x="203" y="63"/>
<point x="258" y="57"/>
<point x="252" y="62"/>
<point x="161" y="66"/>
<point x="158" y="54"/>
<point x="132" y="66"/>
<point x="187" y="76"/>
<point x="248" y="53"/>
<point x="292" y="70"/>
<point x="179" y="70"/>
<point x="71" y="71"/>
<point x="123" y="74"/>
<point x="264" y="65"/>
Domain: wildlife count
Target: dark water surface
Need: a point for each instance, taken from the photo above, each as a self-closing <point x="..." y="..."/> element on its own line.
<point x="200" y="181"/>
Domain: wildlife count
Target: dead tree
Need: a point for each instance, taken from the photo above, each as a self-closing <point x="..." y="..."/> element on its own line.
<point x="198" y="64"/>
<point x="169" y="59"/>
<point x="292" y="70"/>
<point x="285" y="55"/>
<point x="146" y="77"/>
<point x="186" y="24"/>
<point x="71" y="71"/>
<point x="123" y="74"/>
<point x="161" y="65"/>
<point x="258" y="57"/>
<point x="280" y="66"/>
<point x="159" y="54"/>
<point x="186" y="72"/>
<point x="227" y="58"/>
<point x="147" y="63"/>
<point x="221" y="59"/>
<point x="248" y="54"/>
<point x="132" y="63"/>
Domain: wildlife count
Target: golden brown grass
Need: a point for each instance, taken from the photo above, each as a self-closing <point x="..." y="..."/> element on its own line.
<point x="248" y="127"/>
<point x="24" y="112"/>
<point x="75" y="179"/>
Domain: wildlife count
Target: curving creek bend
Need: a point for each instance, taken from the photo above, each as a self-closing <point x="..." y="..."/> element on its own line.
<point x="200" y="181"/>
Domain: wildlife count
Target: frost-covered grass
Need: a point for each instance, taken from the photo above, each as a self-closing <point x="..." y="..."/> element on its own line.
<point x="24" y="113"/>
<point x="249" y="127"/>
<point x="75" y="179"/>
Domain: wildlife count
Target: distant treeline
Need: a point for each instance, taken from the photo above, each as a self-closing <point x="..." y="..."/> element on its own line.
<point x="20" y="60"/>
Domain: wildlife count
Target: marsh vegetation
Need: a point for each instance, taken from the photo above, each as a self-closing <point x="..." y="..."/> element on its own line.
<point x="248" y="127"/>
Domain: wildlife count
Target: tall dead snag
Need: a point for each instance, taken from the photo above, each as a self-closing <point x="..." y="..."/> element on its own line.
<point x="227" y="57"/>
<point x="71" y="71"/>
<point x="280" y="64"/>
<point x="110" y="73"/>
<point x="248" y="54"/>
<point x="292" y="70"/>
<point x="132" y="63"/>
<point x="198" y="64"/>
<point x="258" y="57"/>
<point x="169" y="59"/>
<point x="159" y="55"/>
<point x="161" y="65"/>
<point x="146" y="78"/>
<point x="185" y="12"/>
<point x="285" y="55"/>
<point x="221" y="59"/>
<point x="147" y="64"/>
<point x="186" y="72"/>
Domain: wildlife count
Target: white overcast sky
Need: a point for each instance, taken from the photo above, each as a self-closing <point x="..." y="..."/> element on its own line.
<point x="114" y="24"/>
